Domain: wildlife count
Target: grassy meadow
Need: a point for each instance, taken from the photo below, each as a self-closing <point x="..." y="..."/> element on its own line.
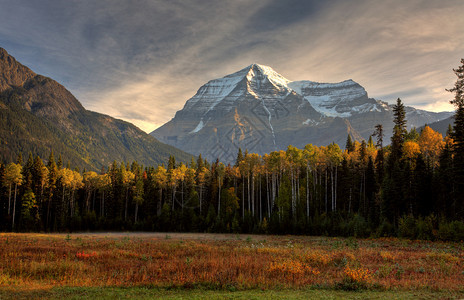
<point x="172" y="265"/>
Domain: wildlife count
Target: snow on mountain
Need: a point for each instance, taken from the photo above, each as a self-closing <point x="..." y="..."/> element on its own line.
<point x="218" y="90"/>
<point x="330" y="99"/>
<point x="341" y="99"/>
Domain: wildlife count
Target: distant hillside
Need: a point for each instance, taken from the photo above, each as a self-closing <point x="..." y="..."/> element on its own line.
<point x="441" y="126"/>
<point x="37" y="114"/>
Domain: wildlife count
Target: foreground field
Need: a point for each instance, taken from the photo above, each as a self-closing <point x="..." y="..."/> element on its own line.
<point x="156" y="293"/>
<point x="226" y="266"/>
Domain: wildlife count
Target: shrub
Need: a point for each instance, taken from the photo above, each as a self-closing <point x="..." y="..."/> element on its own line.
<point x="424" y="228"/>
<point x="407" y="227"/>
<point x="385" y="229"/>
<point x="355" y="279"/>
<point x="453" y="231"/>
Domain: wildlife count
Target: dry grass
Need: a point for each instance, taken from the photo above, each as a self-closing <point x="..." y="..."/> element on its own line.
<point x="41" y="261"/>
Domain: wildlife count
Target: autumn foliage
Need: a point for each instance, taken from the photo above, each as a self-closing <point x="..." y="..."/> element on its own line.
<point x="225" y="261"/>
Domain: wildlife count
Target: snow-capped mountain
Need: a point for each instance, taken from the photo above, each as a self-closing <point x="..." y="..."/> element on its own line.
<point x="343" y="99"/>
<point x="258" y="109"/>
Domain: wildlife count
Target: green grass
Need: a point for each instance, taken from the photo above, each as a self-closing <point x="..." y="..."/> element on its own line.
<point x="151" y="293"/>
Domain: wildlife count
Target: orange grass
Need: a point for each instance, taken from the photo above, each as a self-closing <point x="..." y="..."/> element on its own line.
<point x="41" y="261"/>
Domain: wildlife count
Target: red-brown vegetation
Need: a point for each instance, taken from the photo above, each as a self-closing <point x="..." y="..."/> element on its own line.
<point x="38" y="261"/>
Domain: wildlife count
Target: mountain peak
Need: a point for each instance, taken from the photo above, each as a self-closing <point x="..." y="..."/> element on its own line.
<point x="3" y="53"/>
<point x="257" y="70"/>
<point x="262" y="68"/>
<point x="12" y="73"/>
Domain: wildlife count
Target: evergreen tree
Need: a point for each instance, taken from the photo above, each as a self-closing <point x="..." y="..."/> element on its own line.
<point x="379" y="159"/>
<point x="399" y="131"/>
<point x="370" y="192"/>
<point x="350" y="147"/>
<point x="378" y="132"/>
<point x="27" y="172"/>
<point x="200" y="163"/>
<point x="458" y="137"/>
<point x="396" y="173"/>
<point x="52" y="178"/>
<point x="19" y="159"/>
<point x="171" y="163"/>
<point x="446" y="201"/>
<point x="239" y="157"/>
<point x="412" y="135"/>
<point x="363" y="151"/>
<point x="59" y="164"/>
<point x="450" y="131"/>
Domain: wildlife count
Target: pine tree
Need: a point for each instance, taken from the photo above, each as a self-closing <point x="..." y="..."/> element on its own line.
<point x="59" y="164"/>
<point x="394" y="183"/>
<point x="446" y="200"/>
<point x="39" y="178"/>
<point x="171" y="163"/>
<point x="379" y="159"/>
<point x="399" y="131"/>
<point x="363" y="152"/>
<point x="378" y="132"/>
<point x="19" y="159"/>
<point x="450" y="131"/>
<point x="350" y="147"/>
<point x="413" y="135"/>
<point x="52" y="178"/>
<point x="27" y="172"/>
<point x="200" y="163"/>
<point x="239" y="157"/>
<point x="458" y="137"/>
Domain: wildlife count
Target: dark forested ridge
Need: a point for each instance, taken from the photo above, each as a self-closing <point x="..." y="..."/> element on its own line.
<point x="37" y="115"/>
<point x="410" y="188"/>
<point x="441" y="126"/>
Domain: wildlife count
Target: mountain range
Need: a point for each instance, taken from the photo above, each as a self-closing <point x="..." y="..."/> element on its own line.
<point x="37" y="115"/>
<point x="255" y="108"/>
<point x="259" y="110"/>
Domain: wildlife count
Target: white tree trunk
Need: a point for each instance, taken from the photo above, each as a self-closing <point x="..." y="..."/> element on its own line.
<point x="14" y="206"/>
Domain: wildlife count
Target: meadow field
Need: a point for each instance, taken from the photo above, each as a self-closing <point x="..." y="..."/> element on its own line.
<point x="175" y="265"/>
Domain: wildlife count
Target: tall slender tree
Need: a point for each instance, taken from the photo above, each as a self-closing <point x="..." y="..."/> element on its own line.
<point x="13" y="176"/>
<point x="399" y="131"/>
<point x="458" y="137"/>
<point x="349" y="144"/>
<point x="394" y="183"/>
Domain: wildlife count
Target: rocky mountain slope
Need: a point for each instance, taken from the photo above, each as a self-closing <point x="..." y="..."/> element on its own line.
<point x="260" y="110"/>
<point x="37" y="114"/>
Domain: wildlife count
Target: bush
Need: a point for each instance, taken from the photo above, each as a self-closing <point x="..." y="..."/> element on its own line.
<point x="358" y="226"/>
<point x="453" y="231"/>
<point x="424" y="228"/>
<point x="407" y="227"/>
<point x="385" y="229"/>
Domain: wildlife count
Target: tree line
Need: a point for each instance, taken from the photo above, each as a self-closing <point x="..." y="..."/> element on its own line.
<point x="413" y="188"/>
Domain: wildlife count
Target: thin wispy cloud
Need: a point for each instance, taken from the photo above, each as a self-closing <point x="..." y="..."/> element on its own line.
<point x="140" y="61"/>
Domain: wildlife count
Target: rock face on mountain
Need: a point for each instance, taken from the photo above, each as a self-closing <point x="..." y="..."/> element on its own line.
<point x="38" y="115"/>
<point x="260" y="110"/>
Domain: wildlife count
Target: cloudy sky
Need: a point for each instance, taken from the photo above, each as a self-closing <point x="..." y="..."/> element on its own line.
<point x="141" y="60"/>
